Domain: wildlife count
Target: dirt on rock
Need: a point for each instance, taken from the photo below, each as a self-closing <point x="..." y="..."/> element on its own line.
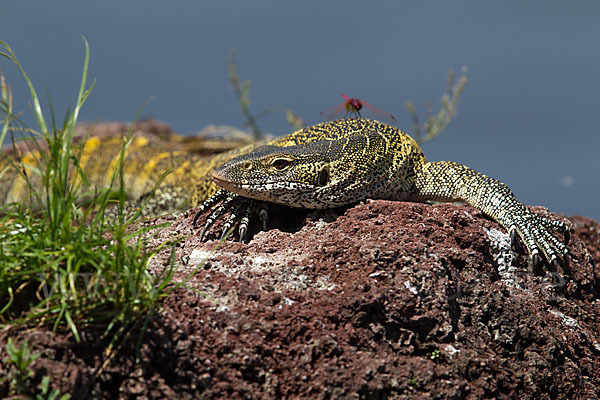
<point x="381" y="300"/>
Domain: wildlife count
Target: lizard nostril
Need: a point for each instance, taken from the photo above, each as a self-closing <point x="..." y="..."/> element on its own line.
<point x="323" y="176"/>
<point x="247" y="165"/>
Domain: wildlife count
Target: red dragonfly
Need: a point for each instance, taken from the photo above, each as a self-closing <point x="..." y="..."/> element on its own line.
<point x="352" y="107"/>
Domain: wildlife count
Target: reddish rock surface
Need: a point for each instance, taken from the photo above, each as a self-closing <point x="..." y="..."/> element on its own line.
<point x="380" y="300"/>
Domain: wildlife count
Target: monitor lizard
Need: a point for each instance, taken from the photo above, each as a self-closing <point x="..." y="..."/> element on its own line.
<point x="345" y="161"/>
<point x="327" y="165"/>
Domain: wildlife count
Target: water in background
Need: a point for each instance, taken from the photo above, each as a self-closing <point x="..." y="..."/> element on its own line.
<point x="528" y="116"/>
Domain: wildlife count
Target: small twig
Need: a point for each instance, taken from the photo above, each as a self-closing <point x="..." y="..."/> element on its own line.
<point x="242" y="93"/>
<point x="435" y="125"/>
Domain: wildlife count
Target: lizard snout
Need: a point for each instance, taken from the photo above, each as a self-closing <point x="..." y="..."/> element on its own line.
<point x="218" y="176"/>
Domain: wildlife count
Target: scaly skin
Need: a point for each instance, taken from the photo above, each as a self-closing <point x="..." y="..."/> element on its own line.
<point x="349" y="160"/>
<point x="148" y="156"/>
<point x="327" y="165"/>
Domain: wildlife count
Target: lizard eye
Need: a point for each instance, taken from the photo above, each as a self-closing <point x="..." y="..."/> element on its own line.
<point x="323" y="176"/>
<point x="280" y="163"/>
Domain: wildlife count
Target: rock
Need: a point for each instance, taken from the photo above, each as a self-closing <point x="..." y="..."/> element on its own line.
<point x="384" y="300"/>
<point x="380" y="300"/>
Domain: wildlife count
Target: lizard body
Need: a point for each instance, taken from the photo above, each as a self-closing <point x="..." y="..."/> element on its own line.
<point x="346" y="161"/>
<point x="327" y="165"/>
<point x="148" y="156"/>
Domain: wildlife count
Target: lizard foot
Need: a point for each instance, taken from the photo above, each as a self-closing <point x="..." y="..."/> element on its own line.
<point x="535" y="233"/>
<point x="241" y="209"/>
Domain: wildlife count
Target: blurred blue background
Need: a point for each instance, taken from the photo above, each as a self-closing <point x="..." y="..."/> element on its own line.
<point x="528" y="117"/>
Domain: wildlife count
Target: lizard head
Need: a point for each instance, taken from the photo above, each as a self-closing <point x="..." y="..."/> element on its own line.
<point x="319" y="174"/>
<point x="277" y="174"/>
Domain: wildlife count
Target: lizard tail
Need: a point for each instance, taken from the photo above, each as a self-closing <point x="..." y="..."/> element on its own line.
<point x="14" y="187"/>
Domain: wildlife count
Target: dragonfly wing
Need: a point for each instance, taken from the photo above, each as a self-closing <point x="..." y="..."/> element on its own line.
<point x="379" y="114"/>
<point x="333" y="112"/>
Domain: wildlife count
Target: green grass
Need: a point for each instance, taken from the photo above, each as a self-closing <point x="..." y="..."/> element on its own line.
<point x="19" y="361"/>
<point x="66" y="266"/>
<point x="20" y="358"/>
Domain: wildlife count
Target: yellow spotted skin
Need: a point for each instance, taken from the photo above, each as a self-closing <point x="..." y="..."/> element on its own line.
<point x="330" y="164"/>
<point x="345" y="161"/>
<point x="147" y="158"/>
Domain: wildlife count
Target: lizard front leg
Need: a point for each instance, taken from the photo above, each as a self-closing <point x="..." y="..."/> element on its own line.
<point x="450" y="181"/>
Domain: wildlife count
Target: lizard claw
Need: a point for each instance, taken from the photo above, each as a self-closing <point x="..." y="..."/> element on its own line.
<point x="567" y="235"/>
<point x="243" y="229"/>
<point x="233" y="218"/>
<point x="239" y="206"/>
<point x="227" y="203"/>
<point x="535" y="260"/>
<point x="536" y="233"/>
<point x="212" y="200"/>
<point x="513" y="242"/>
<point x="554" y="264"/>
<point x="204" y="230"/>
<point x="262" y="214"/>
